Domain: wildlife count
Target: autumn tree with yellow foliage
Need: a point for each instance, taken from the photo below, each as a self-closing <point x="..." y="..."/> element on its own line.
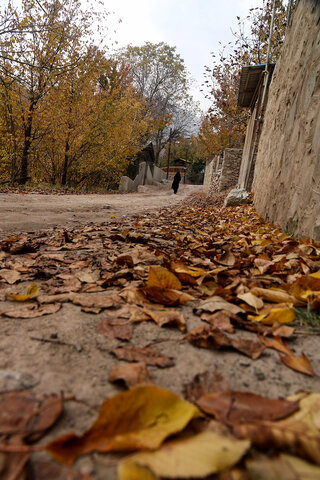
<point x="69" y="114"/>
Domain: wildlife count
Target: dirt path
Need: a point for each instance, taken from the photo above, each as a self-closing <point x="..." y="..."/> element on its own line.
<point x="70" y="349"/>
<point x="31" y="212"/>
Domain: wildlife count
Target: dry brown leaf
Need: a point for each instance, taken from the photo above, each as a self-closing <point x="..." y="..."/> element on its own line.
<point x="32" y="310"/>
<point x="10" y="276"/>
<point x="167" y="317"/>
<point x="148" y="355"/>
<point x="138" y="419"/>
<point x="24" y="413"/>
<point x="232" y="408"/>
<point x="131" y="374"/>
<point x="251" y="300"/>
<point x="276" y="343"/>
<point x="208" y="337"/>
<point x="112" y="328"/>
<point x="299" y="364"/>
<point x="125" y="259"/>
<point x="273" y="295"/>
<point x="166" y="296"/>
<point x="212" y="304"/>
<point x="220" y="320"/>
<point x="227" y="258"/>
<point x="297" y="433"/>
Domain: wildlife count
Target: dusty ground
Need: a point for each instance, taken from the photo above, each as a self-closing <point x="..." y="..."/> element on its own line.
<point x="30" y="212"/>
<point x="79" y="366"/>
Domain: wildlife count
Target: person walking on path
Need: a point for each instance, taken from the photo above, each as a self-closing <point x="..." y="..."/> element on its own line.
<point x="176" y="181"/>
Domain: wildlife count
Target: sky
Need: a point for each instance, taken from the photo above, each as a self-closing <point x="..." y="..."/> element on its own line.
<point x="195" y="27"/>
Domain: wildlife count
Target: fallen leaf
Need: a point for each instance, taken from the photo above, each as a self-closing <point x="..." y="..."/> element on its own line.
<point x="10" y="276"/>
<point x="131" y="374"/>
<point x="160" y="277"/>
<point x="282" y="330"/>
<point x="32" y="310"/>
<point x="125" y="259"/>
<point x="270" y="295"/>
<point x="232" y="408"/>
<point x="227" y="258"/>
<point x="251" y="300"/>
<point x="304" y="470"/>
<point x="299" y="364"/>
<point x="280" y="315"/>
<point x="297" y="433"/>
<point x="204" y="383"/>
<point x="196" y="457"/>
<point x="138" y="419"/>
<point x="220" y="320"/>
<point x="32" y="290"/>
<point x="166" y="296"/>
<point x="166" y="317"/>
<point x="208" y="337"/>
<point x="24" y="413"/>
<point x="148" y="355"/>
<point x="111" y="328"/>
<point x="88" y="276"/>
<point x="212" y="304"/>
<point x="276" y="343"/>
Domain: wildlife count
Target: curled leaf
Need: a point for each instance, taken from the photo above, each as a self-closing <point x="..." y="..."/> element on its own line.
<point x="31" y="292"/>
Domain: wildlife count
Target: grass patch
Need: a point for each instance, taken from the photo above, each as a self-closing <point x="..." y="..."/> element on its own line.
<point x="307" y="318"/>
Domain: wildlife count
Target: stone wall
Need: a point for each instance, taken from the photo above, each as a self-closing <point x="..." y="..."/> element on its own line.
<point x="287" y="173"/>
<point x="230" y="168"/>
<point x="222" y="172"/>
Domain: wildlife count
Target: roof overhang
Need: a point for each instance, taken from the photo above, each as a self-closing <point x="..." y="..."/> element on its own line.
<point x="250" y="79"/>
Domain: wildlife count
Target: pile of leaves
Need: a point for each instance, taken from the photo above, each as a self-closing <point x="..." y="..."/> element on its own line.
<point x="237" y="272"/>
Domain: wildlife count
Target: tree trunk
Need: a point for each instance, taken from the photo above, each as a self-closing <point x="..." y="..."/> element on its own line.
<point x="66" y="163"/>
<point x="27" y="144"/>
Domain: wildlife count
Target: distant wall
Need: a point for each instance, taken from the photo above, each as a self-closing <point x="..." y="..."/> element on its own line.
<point x="222" y="172"/>
<point x="230" y="168"/>
<point x="287" y="173"/>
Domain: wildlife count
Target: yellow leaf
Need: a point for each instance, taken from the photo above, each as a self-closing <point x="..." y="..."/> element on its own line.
<point x="304" y="470"/>
<point x="161" y="277"/>
<point x="280" y="315"/>
<point x="195" y="457"/>
<point x="139" y="419"/>
<point x="31" y="291"/>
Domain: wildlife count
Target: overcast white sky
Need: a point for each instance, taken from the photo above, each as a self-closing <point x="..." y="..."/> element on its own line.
<point x="195" y="27"/>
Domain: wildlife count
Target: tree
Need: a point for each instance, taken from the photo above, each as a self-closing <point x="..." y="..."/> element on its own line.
<point x="160" y="77"/>
<point x="225" y="123"/>
<point x="36" y="53"/>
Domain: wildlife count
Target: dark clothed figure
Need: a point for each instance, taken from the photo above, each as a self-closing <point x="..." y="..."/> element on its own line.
<point x="176" y="181"/>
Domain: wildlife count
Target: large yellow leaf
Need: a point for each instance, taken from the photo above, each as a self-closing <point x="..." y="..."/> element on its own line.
<point x="280" y="315"/>
<point x="139" y="419"/>
<point x="195" y="457"/>
<point x="31" y="292"/>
